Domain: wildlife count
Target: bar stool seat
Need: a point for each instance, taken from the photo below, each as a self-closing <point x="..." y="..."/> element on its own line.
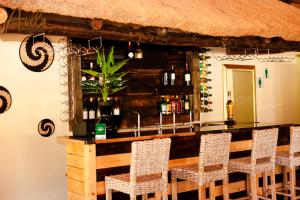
<point x="212" y="166"/>
<point x="244" y="165"/>
<point x="283" y="159"/>
<point x="148" y="171"/>
<point x="190" y="173"/>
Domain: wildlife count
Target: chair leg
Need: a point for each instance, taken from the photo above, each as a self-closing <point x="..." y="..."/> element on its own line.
<point x="108" y="194"/>
<point x="132" y="197"/>
<point x="212" y="191"/>
<point x="144" y="196"/>
<point x="253" y="186"/>
<point x="285" y="181"/>
<point x="201" y="192"/>
<point x="265" y="184"/>
<point x="292" y="182"/>
<point x="158" y="195"/>
<point x="273" y="185"/>
<point x="174" y="188"/>
<point x="225" y="188"/>
<point x="248" y="184"/>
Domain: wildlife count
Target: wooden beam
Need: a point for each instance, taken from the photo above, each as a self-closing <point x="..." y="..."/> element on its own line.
<point x="79" y="27"/>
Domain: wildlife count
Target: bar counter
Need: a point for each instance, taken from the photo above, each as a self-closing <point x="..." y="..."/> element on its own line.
<point x="89" y="160"/>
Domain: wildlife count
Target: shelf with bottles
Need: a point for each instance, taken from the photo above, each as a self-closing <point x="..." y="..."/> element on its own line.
<point x="178" y="104"/>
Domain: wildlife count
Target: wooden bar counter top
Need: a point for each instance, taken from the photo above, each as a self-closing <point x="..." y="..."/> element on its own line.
<point x="89" y="160"/>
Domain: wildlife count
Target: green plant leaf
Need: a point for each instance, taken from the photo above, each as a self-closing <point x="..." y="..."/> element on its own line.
<point x="110" y="57"/>
<point x="117" y="89"/>
<point x="91" y="72"/>
<point x="113" y="69"/>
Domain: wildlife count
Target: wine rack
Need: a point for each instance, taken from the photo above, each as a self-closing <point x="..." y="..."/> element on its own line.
<point x="205" y="87"/>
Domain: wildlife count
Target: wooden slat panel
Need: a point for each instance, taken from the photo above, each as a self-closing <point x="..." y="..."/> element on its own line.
<point x="75" y="161"/>
<point x="75" y="173"/>
<point x="75" y="149"/>
<point x="113" y="160"/>
<point x="75" y="186"/>
<point x="240" y="145"/>
<point x="90" y="171"/>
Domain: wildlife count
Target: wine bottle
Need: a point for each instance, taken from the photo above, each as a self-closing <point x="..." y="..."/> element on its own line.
<point x="229" y="107"/>
<point x="165" y="76"/>
<point x="182" y="100"/>
<point x="204" y="73"/>
<point x="204" y="80"/>
<point x="85" y="114"/>
<point x="130" y="53"/>
<point x="172" y="76"/>
<point x="169" y="107"/>
<point x="205" y="87"/>
<point x="173" y="105"/>
<point x="204" y="65"/>
<point x="205" y="102"/>
<point x="92" y="78"/>
<point x="116" y="107"/>
<point x="187" y="104"/>
<point x="178" y="105"/>
<point x="92" y="109"/>
<point x="163" y="106"/>
<point x="187" y="75"/>
<point x="205" y="109"/>
<point x="205" y="95"/>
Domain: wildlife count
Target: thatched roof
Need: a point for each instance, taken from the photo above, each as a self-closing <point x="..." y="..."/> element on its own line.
<point x="264" y="18"/>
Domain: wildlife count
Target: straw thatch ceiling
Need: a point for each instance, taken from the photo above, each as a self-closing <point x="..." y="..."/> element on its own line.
<point x="221" y="18"/>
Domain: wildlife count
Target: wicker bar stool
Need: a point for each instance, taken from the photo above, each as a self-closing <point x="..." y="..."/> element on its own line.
<point x="289" y="160"/>
<point x="262" y="160"/>
<point x="148" y="171"/>
<point x="212" y="166"/>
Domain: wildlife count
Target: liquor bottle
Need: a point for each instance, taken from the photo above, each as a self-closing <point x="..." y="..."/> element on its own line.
<point x="178" y="105"/>
<point x="92" y="78"/>
<point x="85" y="114"/>
<point x="229" y="107"/>
<point x="92" y="108"/>
<point x="163" y="106"/>
<point x="165" y="77"/>
<point x="98" y="114"/>
<point x="204" y="80"/>
<point x="130" y="53"/>
<point x="187" y="104"/>
<point x="205" y="109"/>
<point x="182" y="100"/>
<point x="187" y="75"/>
<point x="173" y="105"/>
<point x="172" y="76"/>
<point x="169" y="107"/>
<point x="205" y="95"/>
<point x="205" y="102"/>
<point x="116" y="107"/>
<point x="205" y="87"/>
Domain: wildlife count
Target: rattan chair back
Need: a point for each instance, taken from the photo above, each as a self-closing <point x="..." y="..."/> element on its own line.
<point x="264" y="143"/>
<point x="149" y="157"/>
<point x="214" y="150"/>
<point x="294" y="140"/>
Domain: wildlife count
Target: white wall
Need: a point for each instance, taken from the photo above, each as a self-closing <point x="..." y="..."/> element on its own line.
<point x="31" y="167"/>
<point x="278" y="101"/>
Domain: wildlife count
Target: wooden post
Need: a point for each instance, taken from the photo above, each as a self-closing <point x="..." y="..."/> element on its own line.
<point x="192" y="58"/>
<point x="90" y="172"/>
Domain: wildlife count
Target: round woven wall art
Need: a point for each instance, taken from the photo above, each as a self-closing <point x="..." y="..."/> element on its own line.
<point x="36" y="53"/>
<point x="5" y="100"/>
<point x="46" y="127"/>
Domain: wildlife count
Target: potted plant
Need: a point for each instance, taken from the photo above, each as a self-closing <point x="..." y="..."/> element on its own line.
<point x="110" y="81"/>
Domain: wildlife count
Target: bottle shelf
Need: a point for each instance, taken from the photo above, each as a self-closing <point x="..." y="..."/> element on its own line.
<point x="173" y="90"/>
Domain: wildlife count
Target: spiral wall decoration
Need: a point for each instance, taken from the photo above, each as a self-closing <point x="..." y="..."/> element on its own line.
<point x="36" y="53"/>
<point x="46" y="128"/>
<point x="5" y="100"/>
